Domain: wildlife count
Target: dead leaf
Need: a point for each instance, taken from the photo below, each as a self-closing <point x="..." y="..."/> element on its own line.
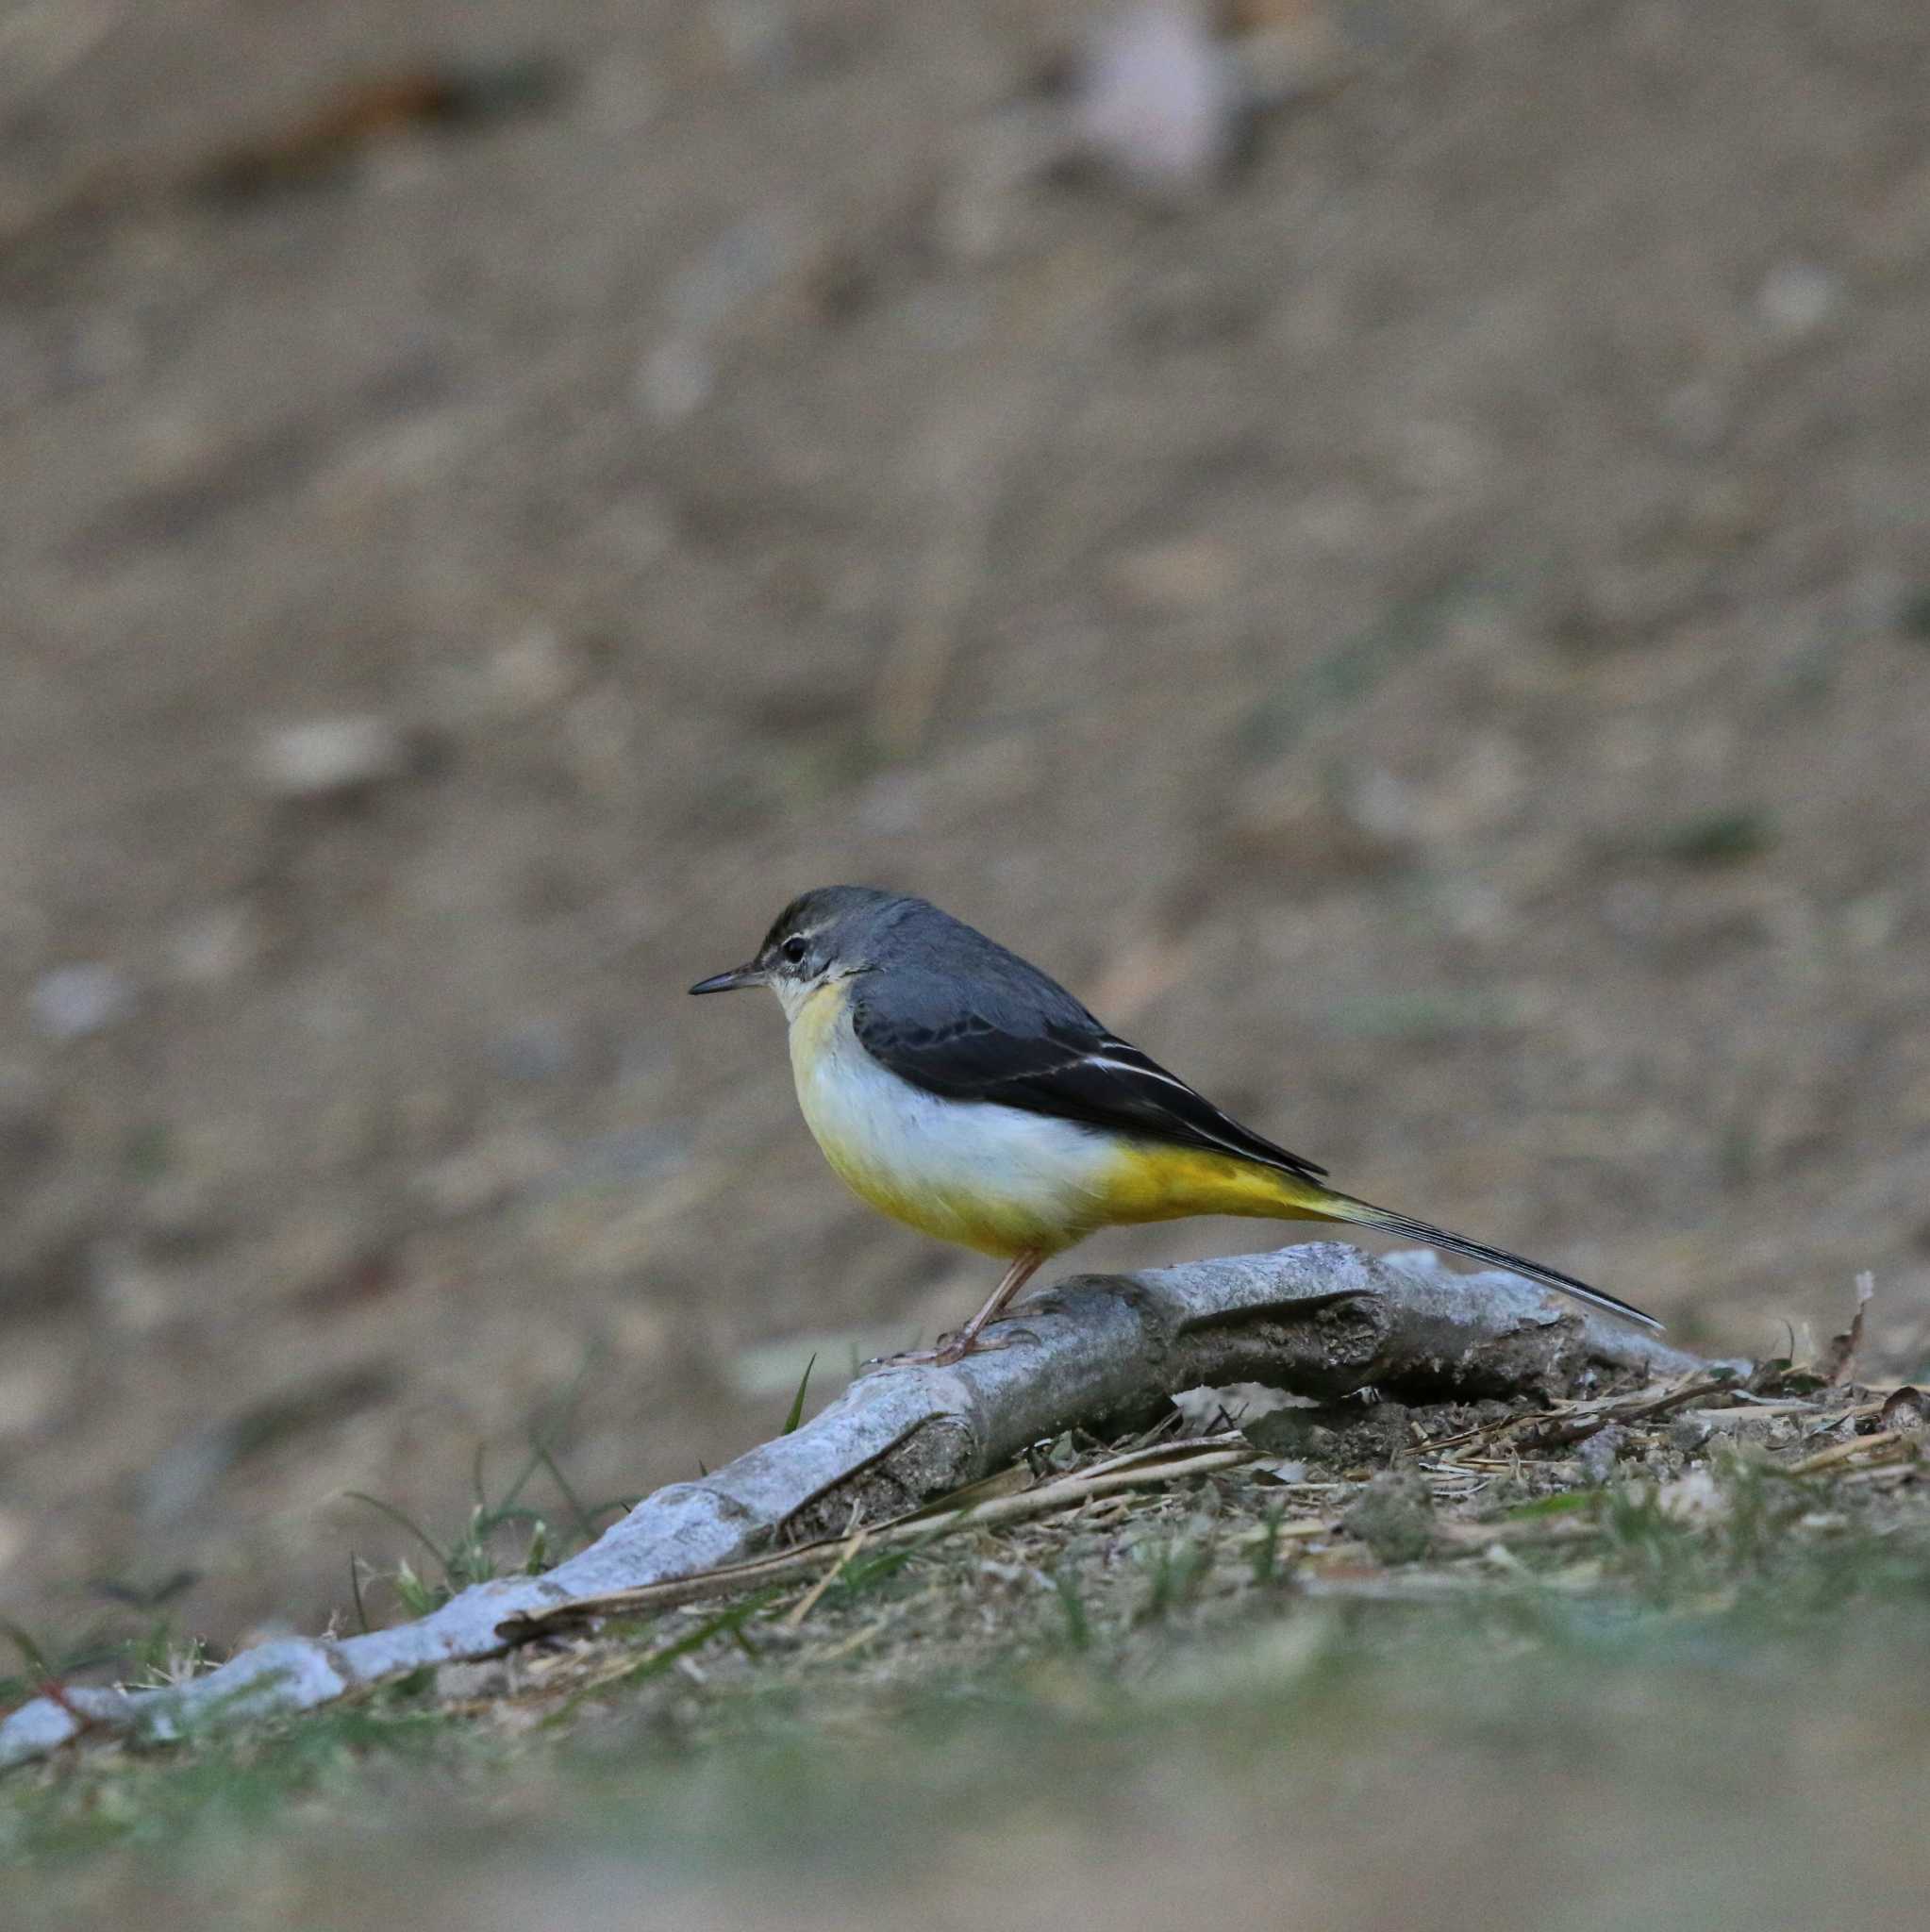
<point x="1840" y="1364"/>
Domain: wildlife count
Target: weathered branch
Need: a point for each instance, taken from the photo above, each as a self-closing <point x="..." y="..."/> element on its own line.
<point x="1098" y="1351"/>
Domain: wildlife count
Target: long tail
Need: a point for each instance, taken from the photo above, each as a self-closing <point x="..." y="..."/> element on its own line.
<point x="1336" y="1207"/>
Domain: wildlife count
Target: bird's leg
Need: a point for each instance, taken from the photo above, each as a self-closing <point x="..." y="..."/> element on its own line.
<point x="956" y="1347"/>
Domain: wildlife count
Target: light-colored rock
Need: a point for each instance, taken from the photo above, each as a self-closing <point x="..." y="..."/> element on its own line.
<point x="1798" y="297"/>
<point x="1157" y="98"/>
<point x="330" y="758"/>
<point x="74" y="1001"/>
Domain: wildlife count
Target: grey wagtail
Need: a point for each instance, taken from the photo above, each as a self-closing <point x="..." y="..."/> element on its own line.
<point x="959" y="1089"/>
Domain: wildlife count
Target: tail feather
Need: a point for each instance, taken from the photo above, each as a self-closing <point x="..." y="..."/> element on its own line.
<point x="1365" y="1214"/>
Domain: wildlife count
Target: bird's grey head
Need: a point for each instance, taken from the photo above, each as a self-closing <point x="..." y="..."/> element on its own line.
<point x="832" y="933"/>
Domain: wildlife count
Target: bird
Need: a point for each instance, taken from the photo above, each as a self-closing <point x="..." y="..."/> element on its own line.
<point x="957" y="1089"/>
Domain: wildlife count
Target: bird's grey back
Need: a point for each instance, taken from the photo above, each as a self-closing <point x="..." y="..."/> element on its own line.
<point x="928" y="969"/>
<point x="954" y="1014"/>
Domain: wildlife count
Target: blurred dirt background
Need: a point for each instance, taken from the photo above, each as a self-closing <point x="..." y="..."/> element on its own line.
<point x="1413" y="599"/>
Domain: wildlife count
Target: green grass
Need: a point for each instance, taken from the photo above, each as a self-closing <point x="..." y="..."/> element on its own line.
<point x="504" y="1535"/>
<point x="1732" y="1679"/>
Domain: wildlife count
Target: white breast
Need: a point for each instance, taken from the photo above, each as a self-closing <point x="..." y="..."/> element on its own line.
<point x="992" y="1177"/>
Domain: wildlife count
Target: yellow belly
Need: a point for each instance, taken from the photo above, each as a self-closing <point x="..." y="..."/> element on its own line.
<point x="995" y="1178"/>
<point x="992" y="1178"/>
<point x="1152" y="1181"/>
<point x="979" y="1220"/>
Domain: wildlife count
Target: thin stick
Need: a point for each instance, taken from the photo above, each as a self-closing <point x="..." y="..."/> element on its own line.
<point x="808" y="1601"/>
<point x="1201" y="1457"/>
<point x="1842" y="1452"/>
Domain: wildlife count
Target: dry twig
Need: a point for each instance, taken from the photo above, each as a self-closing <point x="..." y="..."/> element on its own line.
<point x="1100" y="1352"/>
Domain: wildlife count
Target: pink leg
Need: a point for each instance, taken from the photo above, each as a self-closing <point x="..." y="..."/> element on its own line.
<point x="956" y="1347"/>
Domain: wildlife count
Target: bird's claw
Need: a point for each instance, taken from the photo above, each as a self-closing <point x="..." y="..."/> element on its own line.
<point x="948" y="1351"/>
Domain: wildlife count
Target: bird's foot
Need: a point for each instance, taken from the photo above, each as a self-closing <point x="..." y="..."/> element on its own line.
<point x="950" y="1349"/>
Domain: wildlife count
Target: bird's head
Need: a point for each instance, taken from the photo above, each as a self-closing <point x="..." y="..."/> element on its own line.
<point x="829" y="934"/>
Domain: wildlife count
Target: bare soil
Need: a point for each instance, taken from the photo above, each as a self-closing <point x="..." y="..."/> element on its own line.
<point x="1425" y="634"/>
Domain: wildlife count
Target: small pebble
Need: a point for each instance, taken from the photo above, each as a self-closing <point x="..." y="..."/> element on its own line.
<point x="1597" y="1455"/>
<point x="1283" y="1472"/>
<point x="330" y="758"/>
<point x="1157" y="97"/>
<point x="74" y="1001"/>
<point x="1798" y="297"/>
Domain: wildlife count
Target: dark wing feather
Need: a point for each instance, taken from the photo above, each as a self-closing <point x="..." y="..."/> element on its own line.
<point x="1065" y="1065"/>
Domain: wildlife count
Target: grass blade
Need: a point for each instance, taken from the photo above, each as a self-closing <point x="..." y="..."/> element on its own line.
<point x="407" y="1523"/>
<point x="797" y="1401"/>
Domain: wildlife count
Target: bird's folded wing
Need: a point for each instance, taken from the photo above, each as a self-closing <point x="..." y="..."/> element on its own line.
<point x="1068" y="1071"/>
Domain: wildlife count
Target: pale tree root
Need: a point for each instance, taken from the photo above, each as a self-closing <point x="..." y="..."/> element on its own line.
<point x="1102" y="1353"/>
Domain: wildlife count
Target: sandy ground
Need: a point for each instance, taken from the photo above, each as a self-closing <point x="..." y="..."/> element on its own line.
<point x="1424" y="633"/>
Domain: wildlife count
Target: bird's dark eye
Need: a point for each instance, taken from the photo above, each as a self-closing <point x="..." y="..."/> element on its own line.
<point x="794" y="949"/>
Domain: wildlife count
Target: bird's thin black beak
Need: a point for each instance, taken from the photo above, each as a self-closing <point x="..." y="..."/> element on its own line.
<point x="752" y="974"/>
